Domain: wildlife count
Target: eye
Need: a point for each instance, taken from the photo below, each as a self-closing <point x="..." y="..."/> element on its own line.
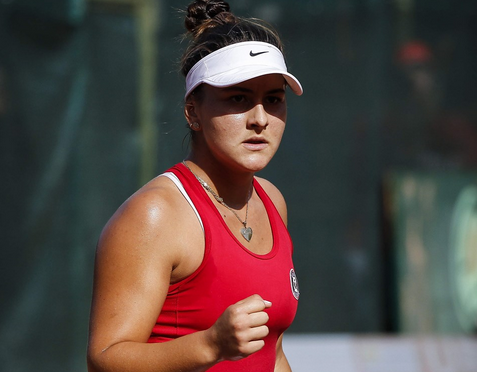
<point x="239" y="98"/>
<point x="274" y="99"/>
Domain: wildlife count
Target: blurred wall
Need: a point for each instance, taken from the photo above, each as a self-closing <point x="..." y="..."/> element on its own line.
<point x="71" y="145"/>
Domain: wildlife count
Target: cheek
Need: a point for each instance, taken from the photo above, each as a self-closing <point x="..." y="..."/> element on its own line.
<point x="235" y="120"/>
<point x="222" y="131"/>
<point x="279" y="127"/>
<point x="278" y="117"/>
<point x="229" y="125"/>
<point x="279" y="136"/>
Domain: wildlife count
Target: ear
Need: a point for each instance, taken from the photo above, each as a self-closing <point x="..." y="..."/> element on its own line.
<point x="190" y="112"/>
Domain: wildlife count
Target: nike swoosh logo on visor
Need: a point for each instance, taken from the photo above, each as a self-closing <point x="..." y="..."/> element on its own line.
<point x="252" y="54"/>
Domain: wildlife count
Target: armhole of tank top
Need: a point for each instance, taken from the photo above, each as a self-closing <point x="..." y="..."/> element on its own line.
<point x="184" y="193"/>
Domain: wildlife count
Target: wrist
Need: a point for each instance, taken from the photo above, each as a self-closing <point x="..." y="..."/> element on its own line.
<point x="211" y="350"/>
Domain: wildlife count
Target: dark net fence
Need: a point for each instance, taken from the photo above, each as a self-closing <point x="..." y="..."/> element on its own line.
<point x="91" y="106"/>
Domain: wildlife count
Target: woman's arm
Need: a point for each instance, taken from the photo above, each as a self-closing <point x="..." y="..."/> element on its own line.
<point x="281" y="362"/>
<point x="138" y="253"/>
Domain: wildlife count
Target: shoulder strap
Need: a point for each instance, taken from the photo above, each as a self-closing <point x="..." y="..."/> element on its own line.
<point x="181" y="188"/>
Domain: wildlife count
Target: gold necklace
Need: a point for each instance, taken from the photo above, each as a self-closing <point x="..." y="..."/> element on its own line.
<point x="245" y="231"/>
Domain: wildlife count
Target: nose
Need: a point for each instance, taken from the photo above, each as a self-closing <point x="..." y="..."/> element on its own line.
<point x="258" y="117"/>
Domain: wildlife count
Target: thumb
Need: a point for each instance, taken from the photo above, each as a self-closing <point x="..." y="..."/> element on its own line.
<point x="267" y="303"/>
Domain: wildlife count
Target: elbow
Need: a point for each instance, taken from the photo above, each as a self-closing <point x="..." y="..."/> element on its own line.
<point x="94" y="361"/>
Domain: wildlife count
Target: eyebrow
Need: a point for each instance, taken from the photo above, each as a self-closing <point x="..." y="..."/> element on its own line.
<point x="246" y="90"/>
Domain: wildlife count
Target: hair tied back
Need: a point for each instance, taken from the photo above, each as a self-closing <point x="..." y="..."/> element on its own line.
<point x="204" y="14"/>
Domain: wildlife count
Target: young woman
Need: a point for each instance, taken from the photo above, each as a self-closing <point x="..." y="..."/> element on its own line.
<point x="194" y="272"/>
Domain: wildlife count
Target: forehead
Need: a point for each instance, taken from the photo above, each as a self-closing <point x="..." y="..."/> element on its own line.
<point x="261" y="84"/>
<point x="268" y="80"/>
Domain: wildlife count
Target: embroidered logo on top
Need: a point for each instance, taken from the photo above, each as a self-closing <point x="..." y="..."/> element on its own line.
<point x="252" y="54"/>
<point x="294" y="284"/>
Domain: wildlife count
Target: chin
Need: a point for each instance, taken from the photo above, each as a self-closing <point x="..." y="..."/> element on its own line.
<point x="256" y="165"/>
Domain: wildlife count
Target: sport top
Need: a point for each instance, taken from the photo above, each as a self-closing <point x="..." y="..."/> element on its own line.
<point x="229" y="273"/>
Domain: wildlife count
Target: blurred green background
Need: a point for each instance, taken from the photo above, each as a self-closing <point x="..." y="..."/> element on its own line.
<point x="374" y="162"/>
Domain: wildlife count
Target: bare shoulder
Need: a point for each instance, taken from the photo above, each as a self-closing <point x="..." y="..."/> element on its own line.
<point x="275" y="195"/>
<point x="143" y="220"/>
<point x="137" y="257"/>
<point x="145" y="210"/>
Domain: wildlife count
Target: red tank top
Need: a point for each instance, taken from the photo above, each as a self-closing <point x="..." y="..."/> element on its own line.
<point x="229" y="273"/>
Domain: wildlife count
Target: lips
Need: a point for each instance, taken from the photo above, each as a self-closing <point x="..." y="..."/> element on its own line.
<point x="255" y="143"/>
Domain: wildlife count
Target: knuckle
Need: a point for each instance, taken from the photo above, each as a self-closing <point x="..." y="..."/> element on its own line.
<point x="237" y="326"/>
<point x="235" y="311"/>
<point x="266" y="330"/>
<point x="266" y="317"/>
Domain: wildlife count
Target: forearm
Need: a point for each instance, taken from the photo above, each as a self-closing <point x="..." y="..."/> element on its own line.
<point x="188" y="353"/>
<point x="281" y="361"/>
<point x="281" y="364"/>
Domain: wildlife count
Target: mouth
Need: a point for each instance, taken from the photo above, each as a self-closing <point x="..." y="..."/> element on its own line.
<point x="255" y="143"/>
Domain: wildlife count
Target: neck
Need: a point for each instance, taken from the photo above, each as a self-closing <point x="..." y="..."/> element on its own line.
<point x="233" y="187"/>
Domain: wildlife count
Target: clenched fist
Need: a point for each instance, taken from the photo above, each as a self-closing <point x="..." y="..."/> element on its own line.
<point x="241" y="328"/>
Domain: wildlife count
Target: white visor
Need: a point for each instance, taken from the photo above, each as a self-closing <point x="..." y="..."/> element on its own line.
<point x="237" y="63"/>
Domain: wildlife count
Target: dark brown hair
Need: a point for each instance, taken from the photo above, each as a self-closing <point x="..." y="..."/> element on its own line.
<point x="212" y="26"/>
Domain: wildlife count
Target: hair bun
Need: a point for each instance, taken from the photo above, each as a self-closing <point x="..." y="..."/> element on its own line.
<point x="201" y="12"/>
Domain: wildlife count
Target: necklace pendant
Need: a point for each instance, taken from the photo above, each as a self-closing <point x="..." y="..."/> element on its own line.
<point x="246" y="233"/>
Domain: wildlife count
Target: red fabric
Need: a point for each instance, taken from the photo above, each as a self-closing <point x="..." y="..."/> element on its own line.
<point x="229" y="273"/>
